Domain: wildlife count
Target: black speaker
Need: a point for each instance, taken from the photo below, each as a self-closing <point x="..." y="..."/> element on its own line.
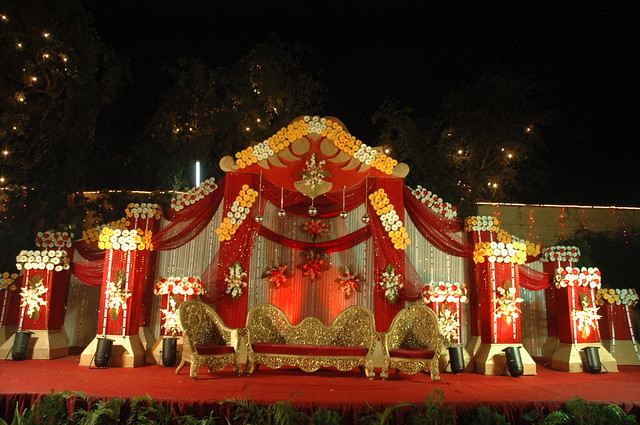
<point x="514" y="361"/>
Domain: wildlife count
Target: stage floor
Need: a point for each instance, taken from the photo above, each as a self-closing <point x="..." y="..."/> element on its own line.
<point x="343" y="391"/>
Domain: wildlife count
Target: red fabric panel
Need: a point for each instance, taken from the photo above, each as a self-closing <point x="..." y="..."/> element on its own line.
<point x="336" y="245"/>
<point x="534" y="280"/>
<point x="211" y="349"/>
<point x="308" y="350"/>
<point x="550" y="295"/>
<point x="10" y="305"/>
<point x="51" y="314"/>
<point x="89" y="272"/>
<point x="615" y="321"/>
<point x="411" y="354"/>
<point x="90" y="252"/>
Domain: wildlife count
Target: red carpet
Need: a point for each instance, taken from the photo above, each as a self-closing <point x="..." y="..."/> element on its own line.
<point x="347" y="392"/>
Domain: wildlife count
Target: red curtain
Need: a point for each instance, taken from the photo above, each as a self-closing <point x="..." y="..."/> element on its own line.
<point x="335" y="245"/>
<point x="89" y="251"/>
<point x="534" y="280"/>
<point x="89" y="272"/>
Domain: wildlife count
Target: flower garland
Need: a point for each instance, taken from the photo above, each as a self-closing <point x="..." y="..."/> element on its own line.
<point x="316" y="228"/>
<point x="391" y="283"/>
<point x="143" y="210"/>
<point x="499" y="252"/>
<point x="390" y="219"/>
<point x="532" y="249"/>
<point x="627" y="297"/>
<point x="8" y="281"/>
<point x="239" y="212"/>
<point x="182" y="200"/>
<point x="587" y="318"/>
<point x="507" y="304"/>
<point x="481" y="223"/>
<point x="235" y="279"/>
<point x="438" y="292"/>
<point x="434" y="202"/>
<point x="574" y="276"/>
<point x="315" y="263"/>
<point x="349" y="282"/>
<point x="54" y="240"/>
<point x="43" y="260"/>
<point x="314" y="172"/>
<point x="561" y="253"/>
<point x="448" y="323"/>
<point x="276" y="275"/>
<point x="117" y="296"/>
<point x="125" y="240"/>
<point x="93" y="235"/>
<point x="31" y="297"/>
<point x="171" y="323"/>
<point x="186" y="285"/>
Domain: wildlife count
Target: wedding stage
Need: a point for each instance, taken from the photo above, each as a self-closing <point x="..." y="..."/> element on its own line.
<point x="350" y="393"/>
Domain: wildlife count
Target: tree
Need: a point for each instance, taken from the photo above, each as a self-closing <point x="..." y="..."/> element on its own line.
<point x="212" y="112"/>
<point x="56" y="79"/>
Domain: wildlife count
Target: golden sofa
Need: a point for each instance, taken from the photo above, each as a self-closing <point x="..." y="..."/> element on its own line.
<point x="413" y="342"/>
<point x="348" y="342"/>
<point x="207" y="341"/>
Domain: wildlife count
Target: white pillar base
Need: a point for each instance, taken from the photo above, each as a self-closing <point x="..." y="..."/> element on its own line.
<point x="43" y="344"/>
<point x="491" y="360"/>
<point x="549" y="346"/>
<point x="624" y="352"/>
<point x="566" y="358"/>
<point x="127" y="351"/>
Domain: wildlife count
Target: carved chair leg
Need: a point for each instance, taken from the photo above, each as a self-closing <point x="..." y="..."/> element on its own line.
<point x="194" y="370"/>
<point x="180" y="366"/>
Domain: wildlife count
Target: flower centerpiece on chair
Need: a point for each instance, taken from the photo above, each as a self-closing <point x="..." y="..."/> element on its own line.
<point x="31" y="296"/>
<point x="391" y="283"/>
<point x="235" y="279"/>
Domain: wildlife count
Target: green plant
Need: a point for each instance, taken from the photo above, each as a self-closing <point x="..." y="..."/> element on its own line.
<point x="145" y="410"/>
<point x="323" y="416"/>
<point x="383" y="417"/>
<point x="580" y="412"/>
<point x="248" y="412"/>
<point x="100" y="412"/>
<point x="484" y="416"/>
<point x="434" y="411"/>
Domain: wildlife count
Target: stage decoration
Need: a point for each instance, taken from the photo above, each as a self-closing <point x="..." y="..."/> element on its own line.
<point x="574" y="276"/>
<point x="276" y="275"/>
<point x="171" y="321"/>
<point x="183" y="200"/>
<point x="235" y="279"/>
<point x="125" y="240"/>
<point x="448" y="322"/>
<point x="93" y="235"/>
<point x="315" y="263"/>
<point x="390" y="219"/>
<point x="481" y="223"/>
<point x="185" y="285"/>
<point x="434" y="202"/>
<point x="349" y="282"/>
<point x="313" y="175"/>
<point x="31" y="297"/>
<point x="316" y="228"/>
<point x="54" y="240"/>
<point x="8" y="282"/>
<point x="561" y="253"/>
<point x="240" y="210"/>
<point x="439" y="292"/>
<point x="532" y="249"/>
<point x="506" y="305"/>
<point x="57" y="260"/>
<point x="283" y="138"/>
<point x="391" y="283"/>
<point x="499" y="252"/>
<point x="587" y="318"/>
<point x="117" y="296"/>
<point x="627" y="297"/>
<point x="143" y="210"/>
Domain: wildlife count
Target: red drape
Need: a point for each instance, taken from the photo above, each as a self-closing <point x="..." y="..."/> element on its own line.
<point x="534" y="280"/>
<point x="335" y="245"/>
<point x="89" y="272"/>
<point x="89" y="251"/>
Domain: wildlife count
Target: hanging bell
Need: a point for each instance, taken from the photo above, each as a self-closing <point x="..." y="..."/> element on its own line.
<point x="312" y="211"/>
<point x="282" y="213"/>
<point x="258" y="219"/>
<point x="343" y="215"/>
<point x="365" y="218"/>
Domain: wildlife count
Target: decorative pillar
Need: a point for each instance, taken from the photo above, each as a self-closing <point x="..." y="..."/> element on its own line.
<point x="497" y="295"/>
<point x="45" y="286"/>
<point x="616" y="324"/>
<point x="173" y="291"/>
<point x="122" y="294"/>
<point x="553" y="258"/>
<point x="578" y="319"/>
<point x="446" y="299"/>
<point x="9" y="304"/>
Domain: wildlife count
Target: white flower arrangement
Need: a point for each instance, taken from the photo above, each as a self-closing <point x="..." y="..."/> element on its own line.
<point x="263" y="150"/>
<point x="506" y="305"/>
<point x="574" y="276"/>
<point x="365" y="154"/>
<point x="117" y="296"/>
<point x="171" y="323"/>
<point x="143" y="210"/>
<point x="434" y="202"/>
<point x="481" y="223"/>
<point x="561" y="253"/>
<point x="235" y="280"/>
<point x="625" y="296"/>
<point x="587" y="318"/>
<point x="316" y="124"/>
<point x="52" y="239"/>
<point x="183" y="200"/>
<point x="438" y="292"/>
<point x="125" y="240"/>
<point x="314" y="172"/>
<point x="391" y="283"/>
<point x="31" y="297"/>
<point x="500" y="252"/>
<point x="51" y="260"/>
<point x="185" y="285"/>
<point x="448" y="323"/>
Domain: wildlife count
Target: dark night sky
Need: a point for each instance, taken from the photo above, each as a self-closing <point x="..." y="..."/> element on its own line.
<point x="583" y="55"/>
